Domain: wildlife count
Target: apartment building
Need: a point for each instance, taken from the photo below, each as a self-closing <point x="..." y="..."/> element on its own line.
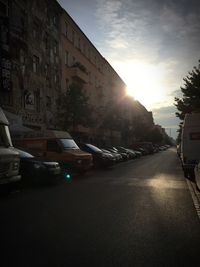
<point x="31" y="69"/>
<point x="82" y="63"/>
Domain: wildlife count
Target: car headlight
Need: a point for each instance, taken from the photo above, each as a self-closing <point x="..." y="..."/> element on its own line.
<point x="38" y="166"/>
<point x="15" y="166"/>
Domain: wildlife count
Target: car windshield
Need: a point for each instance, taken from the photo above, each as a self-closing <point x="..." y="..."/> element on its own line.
<point x="69" y="144"/>
<point x="94" y="148"/>
<point x="5" y="139"/>
<point x="24" y="154"/>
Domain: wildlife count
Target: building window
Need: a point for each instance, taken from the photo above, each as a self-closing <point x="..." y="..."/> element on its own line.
<point x="46" y="41"/>
<point x="66" y="29"/>
<point x="66" y="58"/>
<point x="48" y="102"/>
<point x="22" y="61"/>
<point x="73" y="37"/>
<point x="35" y="63"/>
<point x="22" y="24"/>
<point x="51" y="56"/>
<point x="55" y="20"/>
<point x="56" y="77"/>
<point x="37" y="100"/>
<point x="21" y="57"/>
<point x="46" y="68"/>
<point x="55" y="47"/>
<point x="35" y="30"/>
<point x="79" y="43"/>
<point x="48" y="83"/>
<point x="73" y="60"/>
<point x="67" y="84"/>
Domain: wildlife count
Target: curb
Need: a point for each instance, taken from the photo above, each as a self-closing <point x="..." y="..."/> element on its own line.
<point x="195" y="195"/>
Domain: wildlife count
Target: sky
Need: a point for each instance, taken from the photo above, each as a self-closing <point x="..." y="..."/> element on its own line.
<point x="151" y="44"/>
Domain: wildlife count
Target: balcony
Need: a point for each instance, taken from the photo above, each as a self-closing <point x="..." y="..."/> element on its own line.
<point x="77" y="74"/>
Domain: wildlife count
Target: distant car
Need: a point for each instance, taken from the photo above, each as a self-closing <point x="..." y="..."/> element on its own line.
<point x="117" y="157"/>
<point x="137" y="153"/>
<point x="100" y="158"/>
<point x="131" y="154"/>
<point x="124" y="155"/>
<point x="143" y="151"/>
<point x="38" y="170"/>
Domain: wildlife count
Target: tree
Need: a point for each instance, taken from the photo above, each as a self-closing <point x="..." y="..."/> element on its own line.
<point x="112" y="117"/>
<point x="73" y="108"/>
<point x="190" y="102"/>
<point x="154" y="136"/>
<point x="139" y="129"/>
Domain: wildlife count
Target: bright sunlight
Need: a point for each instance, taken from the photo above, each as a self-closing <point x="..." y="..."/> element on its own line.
<point x="144" y="82"/>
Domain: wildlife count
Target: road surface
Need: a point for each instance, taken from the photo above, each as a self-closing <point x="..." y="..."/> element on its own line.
<point x="138" y="213"/>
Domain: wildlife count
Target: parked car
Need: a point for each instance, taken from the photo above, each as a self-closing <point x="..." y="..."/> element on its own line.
<point x="131" y="154"/>
<point x="100" y="158"/>
<point x="137" y="153"/>
<point x="124" y="155"/>
<point x="117" y="157"/>
<point x="38" y="170"/>
<point x="143" y="151"/>
<point x="197" y="174"/>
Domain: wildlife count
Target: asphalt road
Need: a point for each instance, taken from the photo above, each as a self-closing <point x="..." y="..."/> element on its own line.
<point x="138" y="213"/>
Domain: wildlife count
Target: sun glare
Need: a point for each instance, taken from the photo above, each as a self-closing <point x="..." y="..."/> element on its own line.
<point x="144" y="83"/>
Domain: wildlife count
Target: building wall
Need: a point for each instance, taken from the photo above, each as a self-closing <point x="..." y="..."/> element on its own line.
<point x="100" y="81"/>
<point x="34" y="39"/>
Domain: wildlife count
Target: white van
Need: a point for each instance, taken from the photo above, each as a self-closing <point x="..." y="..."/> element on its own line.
<point x="190" y="143"/>
<point x="9" y="157"/>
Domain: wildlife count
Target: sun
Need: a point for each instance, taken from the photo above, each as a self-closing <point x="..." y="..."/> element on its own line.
<point x="144" y="83"/>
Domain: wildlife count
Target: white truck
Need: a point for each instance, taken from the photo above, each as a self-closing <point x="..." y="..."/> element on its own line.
<point x="9" y="157"/>
<point x="190" y="143"/>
